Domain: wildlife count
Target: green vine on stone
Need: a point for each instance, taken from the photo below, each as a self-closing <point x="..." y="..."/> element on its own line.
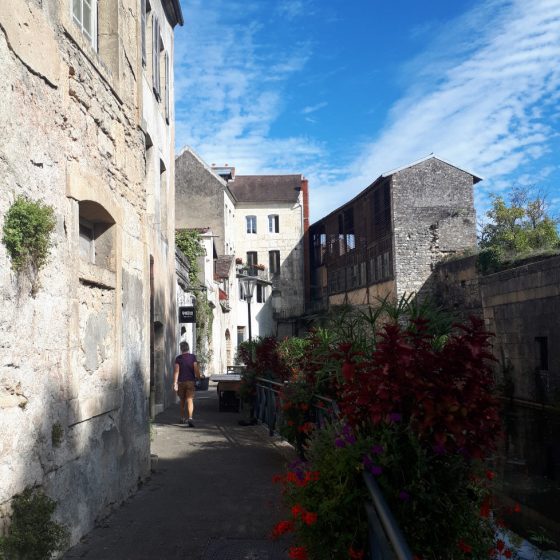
<point x="32" y="534"/>
<point x="27" y="234"/>
<point x="189" y="242"/>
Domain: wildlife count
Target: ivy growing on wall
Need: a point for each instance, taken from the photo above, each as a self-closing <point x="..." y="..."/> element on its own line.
<point x="27" y="235"/>
<point x="189" y="243"/>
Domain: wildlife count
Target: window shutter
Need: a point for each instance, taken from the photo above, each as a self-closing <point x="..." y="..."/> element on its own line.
<point x="167" y="93"/>
<point x="143" y="32"/>
<point x="155" y="56"/>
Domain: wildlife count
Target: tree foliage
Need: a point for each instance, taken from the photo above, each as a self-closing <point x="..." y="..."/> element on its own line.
<point x="521" y="224"/>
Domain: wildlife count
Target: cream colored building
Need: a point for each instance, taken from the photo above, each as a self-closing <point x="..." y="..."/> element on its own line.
<point x="86" y="131"/>
<point x="271" y="230"/>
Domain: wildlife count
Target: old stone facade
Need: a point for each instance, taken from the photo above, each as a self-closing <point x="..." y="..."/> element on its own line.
<point x="386" y="241"/>
<point x="75" y="356"/>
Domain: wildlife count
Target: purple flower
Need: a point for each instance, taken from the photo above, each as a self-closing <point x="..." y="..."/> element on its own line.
<point x="377" y="450"/>
<point x="367" y="462"/>
<point x="395" y="417"/>
<point x="439" y="449"/>
<point x="376" y="470"/>
<point x="404" y="496"/>
<point x="339" y="442"/>
<point x="351" y="439"/>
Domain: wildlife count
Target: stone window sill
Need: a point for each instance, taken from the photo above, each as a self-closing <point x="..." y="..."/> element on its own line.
<point x="97" y="275"/>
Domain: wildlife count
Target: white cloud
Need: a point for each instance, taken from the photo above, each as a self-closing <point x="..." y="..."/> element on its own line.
<point x="313" y="108"/>
<point x="229" y="88"/>
<point x="483" y="112"/>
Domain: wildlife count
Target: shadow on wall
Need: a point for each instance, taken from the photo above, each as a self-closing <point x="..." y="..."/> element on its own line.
<point x="520" y="307"/>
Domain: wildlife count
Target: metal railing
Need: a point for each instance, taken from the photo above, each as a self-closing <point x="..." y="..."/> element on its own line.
<point x="386" y="540"/>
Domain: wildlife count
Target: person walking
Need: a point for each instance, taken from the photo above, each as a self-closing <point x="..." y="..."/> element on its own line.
<point x="185" y="373"/>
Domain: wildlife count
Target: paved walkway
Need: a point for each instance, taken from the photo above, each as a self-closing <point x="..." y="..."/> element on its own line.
<point x="210" y="496"/>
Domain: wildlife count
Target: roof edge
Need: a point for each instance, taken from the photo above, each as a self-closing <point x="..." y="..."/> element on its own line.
<point x="476" y="177"/>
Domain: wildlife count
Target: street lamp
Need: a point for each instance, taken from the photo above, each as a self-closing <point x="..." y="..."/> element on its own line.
<point x="248" y="284"/>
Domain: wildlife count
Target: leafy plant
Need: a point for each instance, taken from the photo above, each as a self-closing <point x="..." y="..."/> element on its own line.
<point x="33" y="535"/>
<point x="57" y="433"/>
<point x="189" y="243"/>
<point x="27" y="235"/>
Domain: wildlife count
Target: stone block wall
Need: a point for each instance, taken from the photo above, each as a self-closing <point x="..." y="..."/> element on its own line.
<point x="433" y="216"/>
<point x="75" y="355"/>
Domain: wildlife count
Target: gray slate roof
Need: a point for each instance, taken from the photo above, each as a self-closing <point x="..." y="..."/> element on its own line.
<point x="223" y="266"/>
<point x="266" y="188"/>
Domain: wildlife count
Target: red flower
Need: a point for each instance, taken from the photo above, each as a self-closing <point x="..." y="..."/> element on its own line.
<point x="508" y="553"/>
<point x="298" y="553"/>
<point x="517" y="508"/>
<point x="292" y="477"/>
<point x="297" y="510"/>
<point x="485" y="509"/>
<point x="490" y="475"/>
<point x="276" y="478"/>
<point x="464" y="547"/>
<point x="500" y="544"/>
<point x="281" y="528"/>
<point x="355" y="554"/>
<point x="309" y="517"/>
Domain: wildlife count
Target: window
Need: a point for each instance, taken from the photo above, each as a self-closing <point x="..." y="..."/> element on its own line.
<point x="261" y="293"/>
<point x="251" y="260"/>
<point x="273" y="223"/>
<point x="240" y="335"/>
<point x="84" y="14"/>
<point x="156" y="48"/>
<point x="542" y="352"/>
<point x="251" y="222"/>
<point x="274" y="262"/>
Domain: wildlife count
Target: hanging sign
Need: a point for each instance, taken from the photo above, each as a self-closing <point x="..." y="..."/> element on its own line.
<point x="187" y="314"/>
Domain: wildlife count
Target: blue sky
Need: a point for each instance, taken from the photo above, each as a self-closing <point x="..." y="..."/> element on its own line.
<point x="345" y="90"/>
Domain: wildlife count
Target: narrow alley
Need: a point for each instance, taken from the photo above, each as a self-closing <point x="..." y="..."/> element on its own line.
<point x="210" y="496"/>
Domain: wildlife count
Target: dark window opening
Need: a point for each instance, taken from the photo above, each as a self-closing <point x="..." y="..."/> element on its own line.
<point x="542" y="352"/>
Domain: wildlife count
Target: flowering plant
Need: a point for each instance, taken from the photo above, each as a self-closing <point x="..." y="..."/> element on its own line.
<point x="420" y="416"/>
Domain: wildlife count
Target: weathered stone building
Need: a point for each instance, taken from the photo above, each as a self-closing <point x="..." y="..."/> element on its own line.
<point x="204" y="202"/>
<point x="80" y="113"/>
<point x="386" y="241"/>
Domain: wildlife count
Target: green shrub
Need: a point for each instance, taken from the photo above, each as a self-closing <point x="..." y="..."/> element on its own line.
<point x="27" y="233"/>
<point x="33" y="535"/>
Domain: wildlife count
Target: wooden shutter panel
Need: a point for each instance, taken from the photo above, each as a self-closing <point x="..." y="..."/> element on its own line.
<point x="155" y="56"/>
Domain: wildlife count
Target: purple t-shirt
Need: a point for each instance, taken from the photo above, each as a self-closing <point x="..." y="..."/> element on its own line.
<point x="186" y="367"/>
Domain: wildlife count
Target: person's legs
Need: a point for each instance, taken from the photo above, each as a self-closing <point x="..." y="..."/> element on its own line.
<point x="182" y="394"/>
<point x="190" y="402"/>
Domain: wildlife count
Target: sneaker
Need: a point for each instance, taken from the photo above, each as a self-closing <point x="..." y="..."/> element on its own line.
<point x="182" y="420"/>
<point x="190" y="423"/>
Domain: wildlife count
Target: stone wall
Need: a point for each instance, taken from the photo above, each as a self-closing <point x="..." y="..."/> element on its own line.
<point x="200" y="195"/>
<point x="76" y="355"/>
<point x="433" y="216"/>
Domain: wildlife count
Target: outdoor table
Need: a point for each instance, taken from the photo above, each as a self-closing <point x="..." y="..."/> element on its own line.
<point x="228" y="390"/>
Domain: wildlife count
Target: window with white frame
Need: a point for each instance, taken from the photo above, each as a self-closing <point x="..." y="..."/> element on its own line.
<point x="261" y="293"/>
<point x="273" y="223"/>
<point x="251" y="223"/>
<point x="84" y="14"/>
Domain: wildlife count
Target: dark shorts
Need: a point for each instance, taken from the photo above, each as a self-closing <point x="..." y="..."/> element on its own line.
<point x="186" y="390"/>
